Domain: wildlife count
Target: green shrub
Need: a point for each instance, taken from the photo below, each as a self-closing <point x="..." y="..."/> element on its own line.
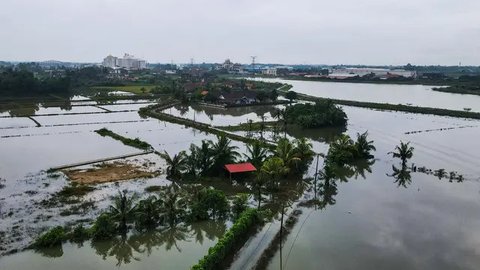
<point x="51" y="238"/>
<point x="322" y="114"/>
<point x="75" y="190"/>
<point x="79" y="233"/>
<point x="240" y="204"/>
<point x="104" y="227"/>
<point x="230" y="240"/>
<point x="137" y="143"/>
<point x="209" y="203"/>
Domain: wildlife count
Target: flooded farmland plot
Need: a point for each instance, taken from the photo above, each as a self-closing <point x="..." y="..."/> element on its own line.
<point x="29" y="197"/>
<point x="224" y="116"/>
<point x="371" y="217"/>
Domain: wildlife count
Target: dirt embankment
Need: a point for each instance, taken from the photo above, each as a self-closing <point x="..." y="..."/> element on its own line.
<point x="111" y="172"/>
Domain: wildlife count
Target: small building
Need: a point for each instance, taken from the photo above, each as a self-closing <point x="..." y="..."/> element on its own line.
<point x="240" y="168"/>
<point x="244" y="97"/>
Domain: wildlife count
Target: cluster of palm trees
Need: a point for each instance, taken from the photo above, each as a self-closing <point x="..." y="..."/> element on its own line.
<point x="208" y="159"/>
<point x="290" y="157"/>
<point x="169" y="208"/>
<point x="345" y="158"/>
<point x="344" y="150"/>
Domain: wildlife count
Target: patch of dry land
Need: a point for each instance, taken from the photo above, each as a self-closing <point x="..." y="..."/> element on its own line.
<point x="109" y="172"/>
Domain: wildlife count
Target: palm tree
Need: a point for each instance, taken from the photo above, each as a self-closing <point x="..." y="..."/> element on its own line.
<point x="341" y="150"/>
<point x="303" y="151"/>
<point x="364" y="146"/>
<point x="256" y="153"/>
<point x="192" y="161"/>
<point x="176" y="164"/>
<point x="204" y="156"/>
<point x="404" y="152"/>
<point x="223" y="152"/>
<point x="286" y="152"/>
<point x="282" y="115"/>
<point x="250" y="123"/>
<point x="122" y="210"/>
<point x="277" y="115"/>
<point x="262" y="125"/>
<point x="147" y="212"/>
<point x="174" y="205"/>
<point x="259" y="186"/>
<point x="274" y="168"/>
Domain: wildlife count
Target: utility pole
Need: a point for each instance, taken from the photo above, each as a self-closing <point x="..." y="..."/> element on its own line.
<point x="315" y="181"/>
<point x="281" y="235"/>
<point x="253" y="64"/>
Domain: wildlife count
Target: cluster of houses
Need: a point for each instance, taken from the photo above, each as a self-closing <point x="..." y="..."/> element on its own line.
<point x="241" y="97"/>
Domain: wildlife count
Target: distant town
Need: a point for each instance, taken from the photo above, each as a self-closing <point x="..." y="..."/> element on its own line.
<point x="127" y="65"/>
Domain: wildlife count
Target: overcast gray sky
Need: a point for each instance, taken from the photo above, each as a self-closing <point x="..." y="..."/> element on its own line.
<point x="281" y="31"/>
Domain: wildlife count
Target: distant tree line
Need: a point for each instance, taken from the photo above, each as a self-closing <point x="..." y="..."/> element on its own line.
<point x="24" y="83"/>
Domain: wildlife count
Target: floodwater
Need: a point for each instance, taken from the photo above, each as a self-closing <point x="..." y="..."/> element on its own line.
<point x="371" y="220"/>
<point x="179" y="247"/>
<point x="27" y="151"/>
<point x="416" y="95"/>
<point x="224" y="116"/>
<point x="383" y="222"/>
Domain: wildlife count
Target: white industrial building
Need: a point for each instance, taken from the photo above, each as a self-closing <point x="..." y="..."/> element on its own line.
<point x="128" y="62"/>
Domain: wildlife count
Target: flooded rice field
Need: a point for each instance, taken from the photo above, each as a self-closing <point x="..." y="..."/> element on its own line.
<point x="371" y="218"/>
<point x="224" y="117"/>
<point x="416" y="95"/>
<point x="176" y="248"/>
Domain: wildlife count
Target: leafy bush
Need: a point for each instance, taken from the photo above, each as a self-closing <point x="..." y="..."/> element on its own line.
<point x="209" y="203"/>
<point x="229" y="241"/>
<point x="51" y="238"/>
<point x="104" y="227"/>
<point x="79" y="233"/>
<point x="240" y="204"/>
<point x="137" y="143"/>
<point x="75" y="190"/>
<point x="322" y="114"/>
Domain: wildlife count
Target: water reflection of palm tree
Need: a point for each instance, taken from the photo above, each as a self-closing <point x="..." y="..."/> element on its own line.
<point x="175" y="233"/>
<point x="327" y="193"/>
<point x="402" y="176"/>
<point x="362" y="167"/>
<point x="214" y="229"/>
<point x="148" y="240"/>
<point x="122" y="248"/>
<point x="197" y="231"/>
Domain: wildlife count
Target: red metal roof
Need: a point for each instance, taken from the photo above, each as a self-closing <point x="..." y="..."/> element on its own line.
<point x="240" y="167"/>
